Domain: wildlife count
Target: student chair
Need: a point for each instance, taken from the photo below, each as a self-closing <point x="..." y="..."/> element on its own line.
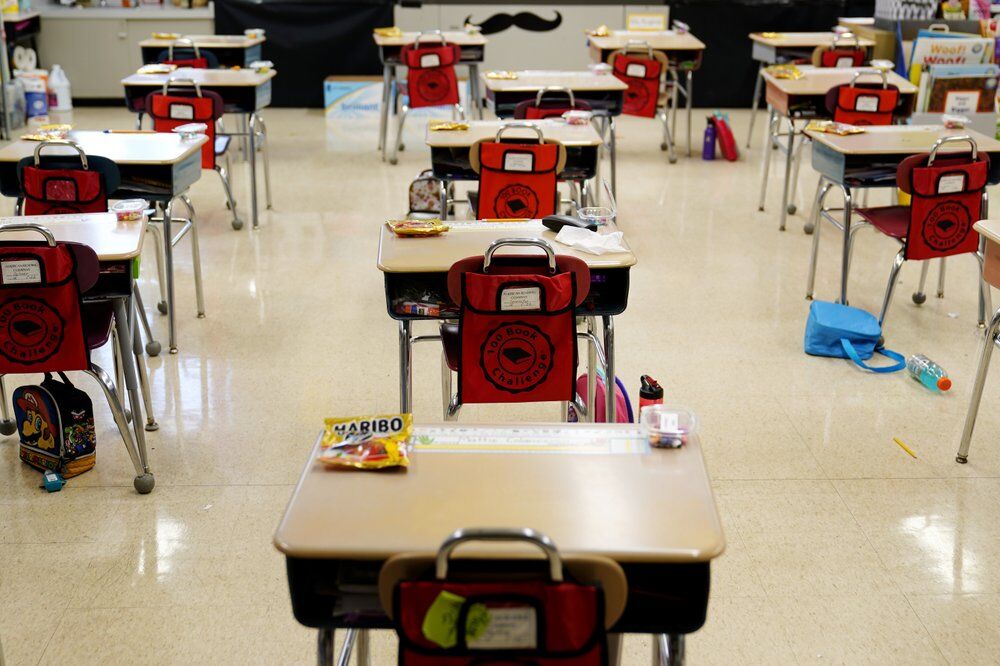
<point x="430" y="79"/>
<point x="47" y="327"/>
<point x="188" y="55"/>
<point x="643" y="70"/>
<point x="948" y="195"/>
<point x="515" y="340"/>
<point x="517" y="179"/>
<point x="540" y="108"/>
<point x="556" y="611"/>
<point x="845" y="51"/>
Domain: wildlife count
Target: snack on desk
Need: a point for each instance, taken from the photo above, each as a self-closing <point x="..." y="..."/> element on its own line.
<point x="166" y="35"/>
<point x="48" y="133"/>
<point x="432" y="227"/>
<point x="391" y="31"/>
<point x="156" y="68"/>
<point x="501" y="75"/>
<point x="367" y="442"/>
<point x="447" y="126"/>
<point x="771" y="35"/>
<point x="831" y="127"/>
<point x="599" y="31"/>
<point x="784" y="71"/>
<point x="129" y="210"/>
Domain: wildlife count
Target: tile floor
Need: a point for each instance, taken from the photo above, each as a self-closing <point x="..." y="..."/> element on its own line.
<point x="842" y="548"/>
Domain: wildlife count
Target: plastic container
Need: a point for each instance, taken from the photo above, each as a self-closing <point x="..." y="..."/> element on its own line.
<point x="129" y="210"/>
<point x="262" y="66"/>
<point x="600" y="68"/>
<point x="928" y="373"/>
<point x="650" y="393"/>
<point x="668" y="427"/>
<point x="578" y="117"/>
<point x="191" y="131"/>
<point x="598" y="214"/>
<point x="61" y="98"/>
<point x="254" y="33"/>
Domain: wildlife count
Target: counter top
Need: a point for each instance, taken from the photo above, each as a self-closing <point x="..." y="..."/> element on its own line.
<point x="145" y="12"/>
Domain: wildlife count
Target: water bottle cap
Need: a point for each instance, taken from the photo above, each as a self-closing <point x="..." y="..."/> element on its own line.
<point x="944" y="384"/>
<point x="650" y="389"/>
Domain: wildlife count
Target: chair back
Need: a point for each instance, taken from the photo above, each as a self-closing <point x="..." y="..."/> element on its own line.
<point x="517" y="325"/>
<point x="846" y="51"/>
<point x="188" y="55"/>
<point x="863" y="103"/>
<point x="41" y="327"/>
<point x="554" y="611"/>
<point x="517" y="179"/>
<point x="540" y="107"/>
<point x="641" y="68"/>
<point x="55" y="184"/>
<point x="431" y="79"/>
<point x="948" y="192"/>
<point x="177" y="105"/>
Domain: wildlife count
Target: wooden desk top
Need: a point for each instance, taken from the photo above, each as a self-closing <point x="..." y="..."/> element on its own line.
<point x="568" y="135"/>
<point x="207" y="41"/>
<point x="819" y="80"/>
<point x="989" y="229"/>
<point x="436" y="254"/>
<point x="901" y="140"/>
<point x="791" y="40"/>
<point x="460" y="37"/>
<point x="536" y="79"/>
<point x="661" y="40"/>
<point x="210" y="78"/>
<point x="110" y="239"/>
<point x="120" y="148"/>
<point x="654" y="508"/>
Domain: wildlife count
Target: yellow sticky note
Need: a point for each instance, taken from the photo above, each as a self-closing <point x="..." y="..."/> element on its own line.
<point x="440" y="622"/>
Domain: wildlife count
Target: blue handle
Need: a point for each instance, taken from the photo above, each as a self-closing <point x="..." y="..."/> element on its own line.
<point x="851" y="352"/>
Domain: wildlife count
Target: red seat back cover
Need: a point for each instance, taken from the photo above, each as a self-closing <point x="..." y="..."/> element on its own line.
<point x="946" y="202"/>
<point x="642" y="75"/>
<point x="517" y="180"/>
<point x="431" y="79"/>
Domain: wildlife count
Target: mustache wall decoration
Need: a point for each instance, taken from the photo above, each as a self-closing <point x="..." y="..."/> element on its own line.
<point x="523" y="20"/>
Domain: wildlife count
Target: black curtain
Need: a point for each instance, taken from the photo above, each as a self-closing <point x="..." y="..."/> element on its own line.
<point x="727" y="73"/>
<point x="308" y="41"/>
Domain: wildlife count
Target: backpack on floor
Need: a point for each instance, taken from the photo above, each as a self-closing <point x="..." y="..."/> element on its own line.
<point x="841" y="331"/>
<point x="623" y="405"/>
<point x="55" y="421"/>
<point x="425" y="194"/>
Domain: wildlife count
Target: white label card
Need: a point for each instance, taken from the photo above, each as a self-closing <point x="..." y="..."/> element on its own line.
<point x="518" y="162"/>
<point x="646" y="21"/>
<point x="509" y="628"/>
<point x="866" y="103"/>
<point x="961" y="101"/>
<point x="21" y="271"/>
<point x="951" y="184"/>
<point x="521" y="298"/>
<point x="181" y="112"/>
<point x="845" y="61"/>
<point x="430" y="60"/>
<point x="636" y="69"/>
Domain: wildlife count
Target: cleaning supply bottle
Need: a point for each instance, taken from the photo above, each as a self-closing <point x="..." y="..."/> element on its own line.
<point x="928" y="373"/>
<point x="708" y="144"/>
<point x="650" y="393"/>
<point x="62" y="99"/>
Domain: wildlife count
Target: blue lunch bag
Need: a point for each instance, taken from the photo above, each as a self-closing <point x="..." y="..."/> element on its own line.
<point x="841" y="331"/>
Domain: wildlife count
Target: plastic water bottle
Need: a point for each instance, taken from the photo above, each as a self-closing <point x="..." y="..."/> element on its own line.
<point x="59" y="85"/>
<point x="928" y="373"/>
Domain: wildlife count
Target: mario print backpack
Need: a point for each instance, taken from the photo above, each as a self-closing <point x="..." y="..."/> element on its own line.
<point x="55" y="421"/>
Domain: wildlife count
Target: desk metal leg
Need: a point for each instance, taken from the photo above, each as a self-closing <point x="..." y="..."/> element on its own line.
<point x="789" y="158"/>
<point x="613" y="150"/>
<point x="143" y="481"/>
<point x="345" y="651"/>
<point x="383" y="120"/>
<point x="405" y="367"/>
<point x="609" y="369"/>
<point x="140" y="366"/>
<point x="325" y="647"/>
<point x="985" y="352"/>
<point x="591" y="371"/>
<point x="614" y="649"/>
<point x="444" y="200"/>
<point x="363" y="647"/>
<point x="251" y="121"/>
<point x="690" y="93"/>
<point x="168" y="268"/>
<point x="772" y="119"/>
<point x="668" y="649"/>
<point x="757" y="88"/>
<point x="477" y="99"/>
<point x="7" y="426"/>
<point x="845" y="261"/>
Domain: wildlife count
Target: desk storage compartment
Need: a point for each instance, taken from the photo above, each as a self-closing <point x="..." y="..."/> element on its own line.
<point x="991" y="267"/>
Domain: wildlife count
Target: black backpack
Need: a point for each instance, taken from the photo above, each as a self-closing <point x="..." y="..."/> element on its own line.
<point x="55" y="421"/>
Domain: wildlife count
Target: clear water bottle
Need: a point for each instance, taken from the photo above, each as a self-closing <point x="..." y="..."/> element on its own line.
<point x="928" y="373"/>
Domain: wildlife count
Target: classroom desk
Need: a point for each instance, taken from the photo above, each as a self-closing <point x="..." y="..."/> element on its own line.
<point x="117" y="245"/>
<point x="157" y="166"/>
<point x="605" y="94"/>
<point x="684" y="52"/>
<point x="416" y="269"/>
<point x="871" y="159"/>
<point x="989" y="231"/>
<point x="230" y="50"/>
<point x="473" y="45"/>
<point x="450" y="149"/>
<point x="781" y="47"/>
<point x="805" y="99"/>
<point x="244" y="93"/>
<point x="339" y="528"/>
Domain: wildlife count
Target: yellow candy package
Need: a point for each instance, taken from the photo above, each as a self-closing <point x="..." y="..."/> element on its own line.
<point x="367" y="442"/>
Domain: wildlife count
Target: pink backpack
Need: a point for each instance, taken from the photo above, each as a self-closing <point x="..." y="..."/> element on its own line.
<point x="623" y="406"/>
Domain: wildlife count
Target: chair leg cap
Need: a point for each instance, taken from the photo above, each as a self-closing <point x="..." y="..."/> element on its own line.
<point x="7" y="428"/>
<point x="152" y="427"/>
<point x="808" y="228"/>
<point x="961" y="459"/>
<point x="162" y="307"/>
<point x="919" y="298"/>
<point x="237" y="223"/>
<point x="153" y="348"/>
<point x="791" y="209"/>
<point x="144" y="483"/>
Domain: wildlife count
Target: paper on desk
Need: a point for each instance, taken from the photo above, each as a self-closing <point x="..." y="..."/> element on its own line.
<point x="591" y="241"/>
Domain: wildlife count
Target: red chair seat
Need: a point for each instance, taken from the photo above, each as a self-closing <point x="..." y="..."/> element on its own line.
<point x="452" y="344"/>
<point x="893" y="221"/>
<point x="97" y="321"/>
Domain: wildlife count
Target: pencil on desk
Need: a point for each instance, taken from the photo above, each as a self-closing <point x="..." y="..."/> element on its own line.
<point x="904" y="446"/>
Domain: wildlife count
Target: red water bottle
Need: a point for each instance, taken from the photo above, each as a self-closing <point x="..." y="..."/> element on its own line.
<point x="650" y="393"/>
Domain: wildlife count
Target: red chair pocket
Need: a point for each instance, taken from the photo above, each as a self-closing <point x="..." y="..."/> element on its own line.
<point x="431" y="79"/>
<point x="842" y="58"/>
<point x="517" y="180"/>
<point x="864" y="105"/>
<point x="642" y="75"/>
<point x="518" y="338"/>
<point x="947" y="201"/>
<point x="59" y="191"/>
<point x="171" y="110"/>
<point x="193" y="63"/>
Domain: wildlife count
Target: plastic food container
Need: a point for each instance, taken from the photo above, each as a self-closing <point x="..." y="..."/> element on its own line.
<point x="129" y="210"/>
<point x="600" y="68"/>
<point x="254" y="33"/>
<point x="597" y="214"/>
<point x="577" y="117"/>
<point x="954" y="121"/>
<point x="191" y="131"/>
<point x="668" y="427"/>
<point x="262" y="66"/>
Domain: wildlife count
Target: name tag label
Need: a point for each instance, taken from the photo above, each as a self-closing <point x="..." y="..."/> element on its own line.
<point x="636" y="69"/>
<point x="181" y="112"/>
<point x="430" y="60"/>
<point x="508" y="628"/>
<point x="845" y="61"/>
<point x="521" y="298"/>
<point x="951" y="184"/>
<point x="518" y="162"/>
<point x="866" y="103"/>
<point x="21" y="271"/>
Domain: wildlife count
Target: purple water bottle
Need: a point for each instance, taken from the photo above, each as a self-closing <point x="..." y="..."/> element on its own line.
<point x="708" y="146"/>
